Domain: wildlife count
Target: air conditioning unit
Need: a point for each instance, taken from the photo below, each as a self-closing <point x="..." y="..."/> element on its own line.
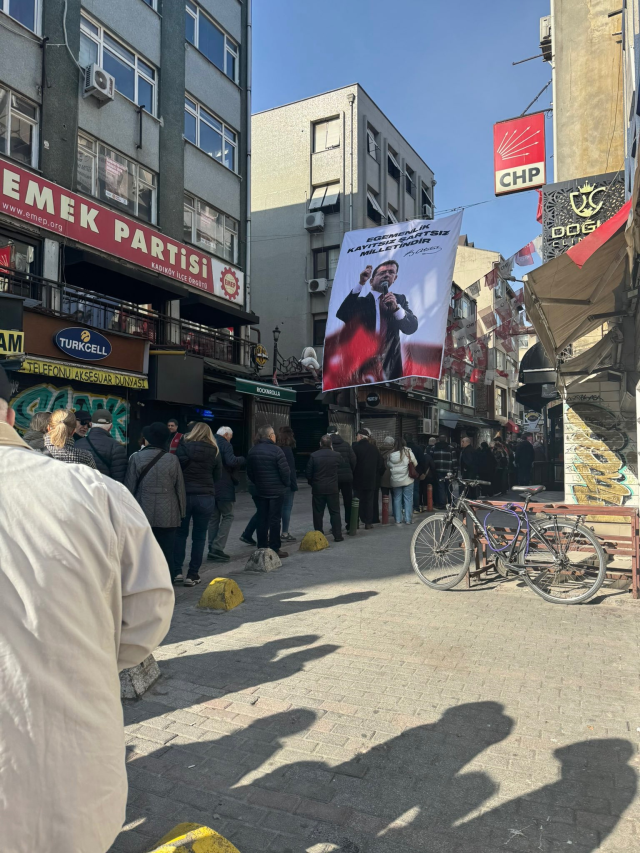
<point x="314" y="222"/>
<point x="434" y="419"/>
<point x="427" y="210"/>
<point x="424" y="426"/>
<point x="318" y="285"/>
<point x="98" y="83"/>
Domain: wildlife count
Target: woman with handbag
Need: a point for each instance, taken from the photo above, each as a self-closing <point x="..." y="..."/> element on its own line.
<point x="403" y="466"/>
<point x="154" y="478"/>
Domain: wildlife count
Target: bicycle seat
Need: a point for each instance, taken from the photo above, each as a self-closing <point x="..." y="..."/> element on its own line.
<point x="531" y="490"/>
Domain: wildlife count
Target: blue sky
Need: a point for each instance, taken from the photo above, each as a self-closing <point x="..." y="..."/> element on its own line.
<point x="440" y="70"/>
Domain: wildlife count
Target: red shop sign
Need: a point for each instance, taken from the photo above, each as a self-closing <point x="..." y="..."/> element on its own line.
<point x="519" y="154"/>
<point x="26" y="196"/>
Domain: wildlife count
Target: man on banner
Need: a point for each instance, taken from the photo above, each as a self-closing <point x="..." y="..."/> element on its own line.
<point x="383" y="314"/>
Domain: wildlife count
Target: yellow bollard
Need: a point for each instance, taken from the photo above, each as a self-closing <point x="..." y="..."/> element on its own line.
<point x="221" y="594"/>
<point x="193" y="838"/>
<point x="314" y="541"/>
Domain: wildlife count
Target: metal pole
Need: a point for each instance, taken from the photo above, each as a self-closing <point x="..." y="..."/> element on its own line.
<point x="351" y="98"/>
<point x="353" y="521"/>
<point x="385" y="509"/>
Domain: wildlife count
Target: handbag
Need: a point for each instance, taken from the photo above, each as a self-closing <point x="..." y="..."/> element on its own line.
<point x="146" y="470"/>
<point x="413" y="473"/>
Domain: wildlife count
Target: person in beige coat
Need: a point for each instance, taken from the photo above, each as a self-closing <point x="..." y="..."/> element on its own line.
<point x="84" y="592"/>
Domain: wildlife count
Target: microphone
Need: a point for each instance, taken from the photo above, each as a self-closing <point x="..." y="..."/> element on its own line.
<point x="384" y="287"/>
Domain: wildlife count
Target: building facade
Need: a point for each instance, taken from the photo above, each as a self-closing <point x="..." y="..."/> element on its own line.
<point x="125" y="201"/>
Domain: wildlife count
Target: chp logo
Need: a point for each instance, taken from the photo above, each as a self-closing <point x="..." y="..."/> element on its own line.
<point x="230" y="283"/>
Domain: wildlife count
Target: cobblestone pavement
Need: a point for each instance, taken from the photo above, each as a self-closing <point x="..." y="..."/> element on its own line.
<point x="346" y="707"/>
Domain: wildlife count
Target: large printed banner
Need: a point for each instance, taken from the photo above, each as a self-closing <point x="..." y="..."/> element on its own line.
<point x="30" y="198"/>
<point x="389" y="303"/>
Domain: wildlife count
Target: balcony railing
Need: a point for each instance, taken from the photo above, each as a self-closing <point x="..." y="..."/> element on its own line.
<point x="113" y="315"/>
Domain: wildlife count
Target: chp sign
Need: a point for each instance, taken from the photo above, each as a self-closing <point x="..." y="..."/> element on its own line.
<point x="519" y="158"/>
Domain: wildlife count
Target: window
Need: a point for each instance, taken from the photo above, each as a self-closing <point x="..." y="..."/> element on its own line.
<point x="326" y="134"/>
<point x="374" y="211"/>
<point x="501" y="360"/>
<point x="469" y="394"/>
<point x="501" y="402"/>
<point x="207" y="132"/>
<point x="210" y="229"/>
<point x="372" y="143"/>
<point x="524" y="342"/>
<point x="393" y="167"/>
<point x="152" y="3"/>
<point x="319" y="329"/>
<point x="211" y="41"/>
<point x="135" y="78"/>
<point x="18" y="127"/>
<point x="410" y="182"/>
<point x="26" y="12"/>
<point x="392" y="215"/>
<point x="326" y="197"/>
<point x="426" y="201"/>
<point x="456" y="389"/>
<point x="325" y="262"/>
<point x="113" y="178"/>
<point x="444" y="387"/>
<point x="467" y="308"/>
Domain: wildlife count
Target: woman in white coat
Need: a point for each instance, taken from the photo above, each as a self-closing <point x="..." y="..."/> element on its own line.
<point x="401" y="481"/>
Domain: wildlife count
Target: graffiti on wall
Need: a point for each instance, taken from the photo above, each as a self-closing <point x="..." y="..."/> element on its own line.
<point x="48" y="398"/>
<point x="600" y="448"/>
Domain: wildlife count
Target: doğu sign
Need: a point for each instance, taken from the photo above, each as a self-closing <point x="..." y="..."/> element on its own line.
<point x="29" y="197"/>
<point x="83" y="343"/>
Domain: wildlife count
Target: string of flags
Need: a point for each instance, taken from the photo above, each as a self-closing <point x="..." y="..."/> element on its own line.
<point x="467" y="354"/>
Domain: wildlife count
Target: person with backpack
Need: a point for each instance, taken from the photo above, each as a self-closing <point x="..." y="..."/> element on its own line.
<point x="109" y="455"/>
<point x="403" y="466"/>
<point x="154" y="478"/>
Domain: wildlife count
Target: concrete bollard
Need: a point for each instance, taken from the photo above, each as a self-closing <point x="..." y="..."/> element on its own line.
<point x="385" y="509"/>
<point x="221" y="594"/>
<point x="429" y="498"/>
<point x="135" y="682"/>
<point x="263" y="560"/>
<point x="314" y="541"/>
<point x="193" y="838"/>
<point x="355" y="512"/>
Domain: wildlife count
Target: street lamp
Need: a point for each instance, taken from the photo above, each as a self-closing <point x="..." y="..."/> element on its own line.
<point x="276" y="335"/>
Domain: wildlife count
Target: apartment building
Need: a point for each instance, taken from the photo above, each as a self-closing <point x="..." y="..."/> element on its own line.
<point x="124" y="205"/>
<point x="321" y="166"/>
<point x="495" y="401"/>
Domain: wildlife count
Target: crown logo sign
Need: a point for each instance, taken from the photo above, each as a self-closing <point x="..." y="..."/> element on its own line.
<point x="586" y="201"/>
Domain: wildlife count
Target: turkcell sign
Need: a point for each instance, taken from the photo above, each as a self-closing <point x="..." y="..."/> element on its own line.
<point x="82" y="343"/>
<point x="519" y="158"/>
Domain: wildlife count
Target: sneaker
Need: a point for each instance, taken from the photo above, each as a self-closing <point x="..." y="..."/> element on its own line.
<point x="248" y="540"/>
<point x="282" y="553"/>
<point x="192" y="581"/>
<point x="219" y="556"/>
<point x="177" y="579"/>
<point x="287" y="537"/>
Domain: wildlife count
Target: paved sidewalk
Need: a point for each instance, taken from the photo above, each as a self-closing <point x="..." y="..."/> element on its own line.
<point x="346" y="707"/>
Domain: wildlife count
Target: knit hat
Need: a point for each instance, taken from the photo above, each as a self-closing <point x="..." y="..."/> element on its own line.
<point x="389" y="441"/>
<point x="157" y="434"/>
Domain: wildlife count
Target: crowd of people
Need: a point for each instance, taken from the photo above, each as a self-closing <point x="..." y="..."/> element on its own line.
<point x="186" y="482"/>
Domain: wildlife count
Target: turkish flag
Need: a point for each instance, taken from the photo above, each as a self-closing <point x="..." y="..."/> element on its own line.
<point x="5" y="256"/>
<point x="350" y="359"/>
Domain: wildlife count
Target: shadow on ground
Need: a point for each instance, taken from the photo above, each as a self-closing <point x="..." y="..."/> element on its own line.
<point x="410" y="792"/>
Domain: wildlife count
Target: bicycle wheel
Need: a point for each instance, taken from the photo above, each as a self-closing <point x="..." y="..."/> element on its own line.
<point x="441" y="551"/>
<point x="578" y="570"/>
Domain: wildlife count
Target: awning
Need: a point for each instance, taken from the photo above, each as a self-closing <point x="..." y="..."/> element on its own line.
<point x="512" y="427"/>
<point x="600" y="356"/>
<point x="565" y="301"/>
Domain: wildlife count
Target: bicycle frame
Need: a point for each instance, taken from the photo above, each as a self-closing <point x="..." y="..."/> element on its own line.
<point x="530" y="528"/>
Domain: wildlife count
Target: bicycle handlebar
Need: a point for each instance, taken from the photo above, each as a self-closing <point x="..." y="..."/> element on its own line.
<point x="468" y="482"/>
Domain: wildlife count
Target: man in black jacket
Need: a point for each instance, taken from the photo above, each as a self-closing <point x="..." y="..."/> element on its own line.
<point x="423" y="460"/>
<point x="370" y="466"/>
<point x="268" y="470"/>
<point x="110" y="456"/>
<point x="322" y="474"/>
<point x="222" y="518"/>
<point x="345" y="471"/>
<point x="382" y="313"/>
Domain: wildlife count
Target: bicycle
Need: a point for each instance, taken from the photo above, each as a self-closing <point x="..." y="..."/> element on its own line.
<point x="559" y="559"/>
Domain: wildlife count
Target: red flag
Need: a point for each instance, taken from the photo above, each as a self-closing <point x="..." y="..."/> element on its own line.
<point x="539" y="211"/>
<point x="524" y="256"/>
<point x="491" y="279"/>
<point x="274" y="380"/>
<point x="582" y="251"/>
<point x="5" y="256"/>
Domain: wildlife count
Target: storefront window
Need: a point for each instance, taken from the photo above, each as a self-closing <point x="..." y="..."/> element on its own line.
<point x="115" y="179"/>
<point x="18" y="128"/>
